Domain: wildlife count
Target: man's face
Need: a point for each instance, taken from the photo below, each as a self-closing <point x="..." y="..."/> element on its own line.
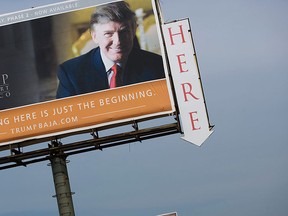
<point x="114" y="39"/>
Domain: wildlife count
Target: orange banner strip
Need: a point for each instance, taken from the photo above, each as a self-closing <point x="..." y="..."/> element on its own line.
<point x="84" y="111"/>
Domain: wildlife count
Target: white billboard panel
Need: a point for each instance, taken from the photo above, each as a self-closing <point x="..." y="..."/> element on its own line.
<point x="187" y="81"/>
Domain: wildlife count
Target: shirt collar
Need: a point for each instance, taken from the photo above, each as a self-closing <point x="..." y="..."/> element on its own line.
<point x="107" y="62"/>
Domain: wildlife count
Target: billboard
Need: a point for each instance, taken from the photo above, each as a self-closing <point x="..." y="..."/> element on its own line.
<point x="55" y="75"/>
<point x="169" y="214"/>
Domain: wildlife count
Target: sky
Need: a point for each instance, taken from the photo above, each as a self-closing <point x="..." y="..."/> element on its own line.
<point x="241" y="169"/>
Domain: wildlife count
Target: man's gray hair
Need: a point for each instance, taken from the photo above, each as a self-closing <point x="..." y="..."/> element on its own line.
<point x="115" y="12"/>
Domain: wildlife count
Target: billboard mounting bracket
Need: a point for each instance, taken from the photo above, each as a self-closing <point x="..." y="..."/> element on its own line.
<point x="95" y="135"/>
<point x="15" y="152"/>
<point x="136" y="128"/>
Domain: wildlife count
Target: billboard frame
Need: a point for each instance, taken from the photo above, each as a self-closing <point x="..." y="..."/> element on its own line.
<point x="65" y="133"/>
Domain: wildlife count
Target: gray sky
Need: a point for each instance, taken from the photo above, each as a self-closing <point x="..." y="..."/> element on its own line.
<point x="240" y="170"/>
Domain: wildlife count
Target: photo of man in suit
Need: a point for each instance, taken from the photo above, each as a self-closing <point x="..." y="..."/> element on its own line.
<point x="115" y="62"/>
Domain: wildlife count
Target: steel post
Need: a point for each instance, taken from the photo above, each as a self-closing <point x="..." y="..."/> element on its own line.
<point x="62" y="186"/>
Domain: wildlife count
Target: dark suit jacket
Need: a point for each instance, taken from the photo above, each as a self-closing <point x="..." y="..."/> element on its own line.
<point x="86" y="73"/>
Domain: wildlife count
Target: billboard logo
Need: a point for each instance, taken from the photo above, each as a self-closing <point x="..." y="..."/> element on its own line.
<point x="4" y="86"/>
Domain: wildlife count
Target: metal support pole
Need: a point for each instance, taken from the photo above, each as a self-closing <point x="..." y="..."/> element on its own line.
<point x="62" y="186"/>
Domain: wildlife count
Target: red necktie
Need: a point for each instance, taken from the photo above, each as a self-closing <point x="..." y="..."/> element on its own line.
<point x="113" y="78"/>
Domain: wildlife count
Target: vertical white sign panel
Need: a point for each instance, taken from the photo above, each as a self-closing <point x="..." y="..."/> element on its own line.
<point x="187" y="82"/>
